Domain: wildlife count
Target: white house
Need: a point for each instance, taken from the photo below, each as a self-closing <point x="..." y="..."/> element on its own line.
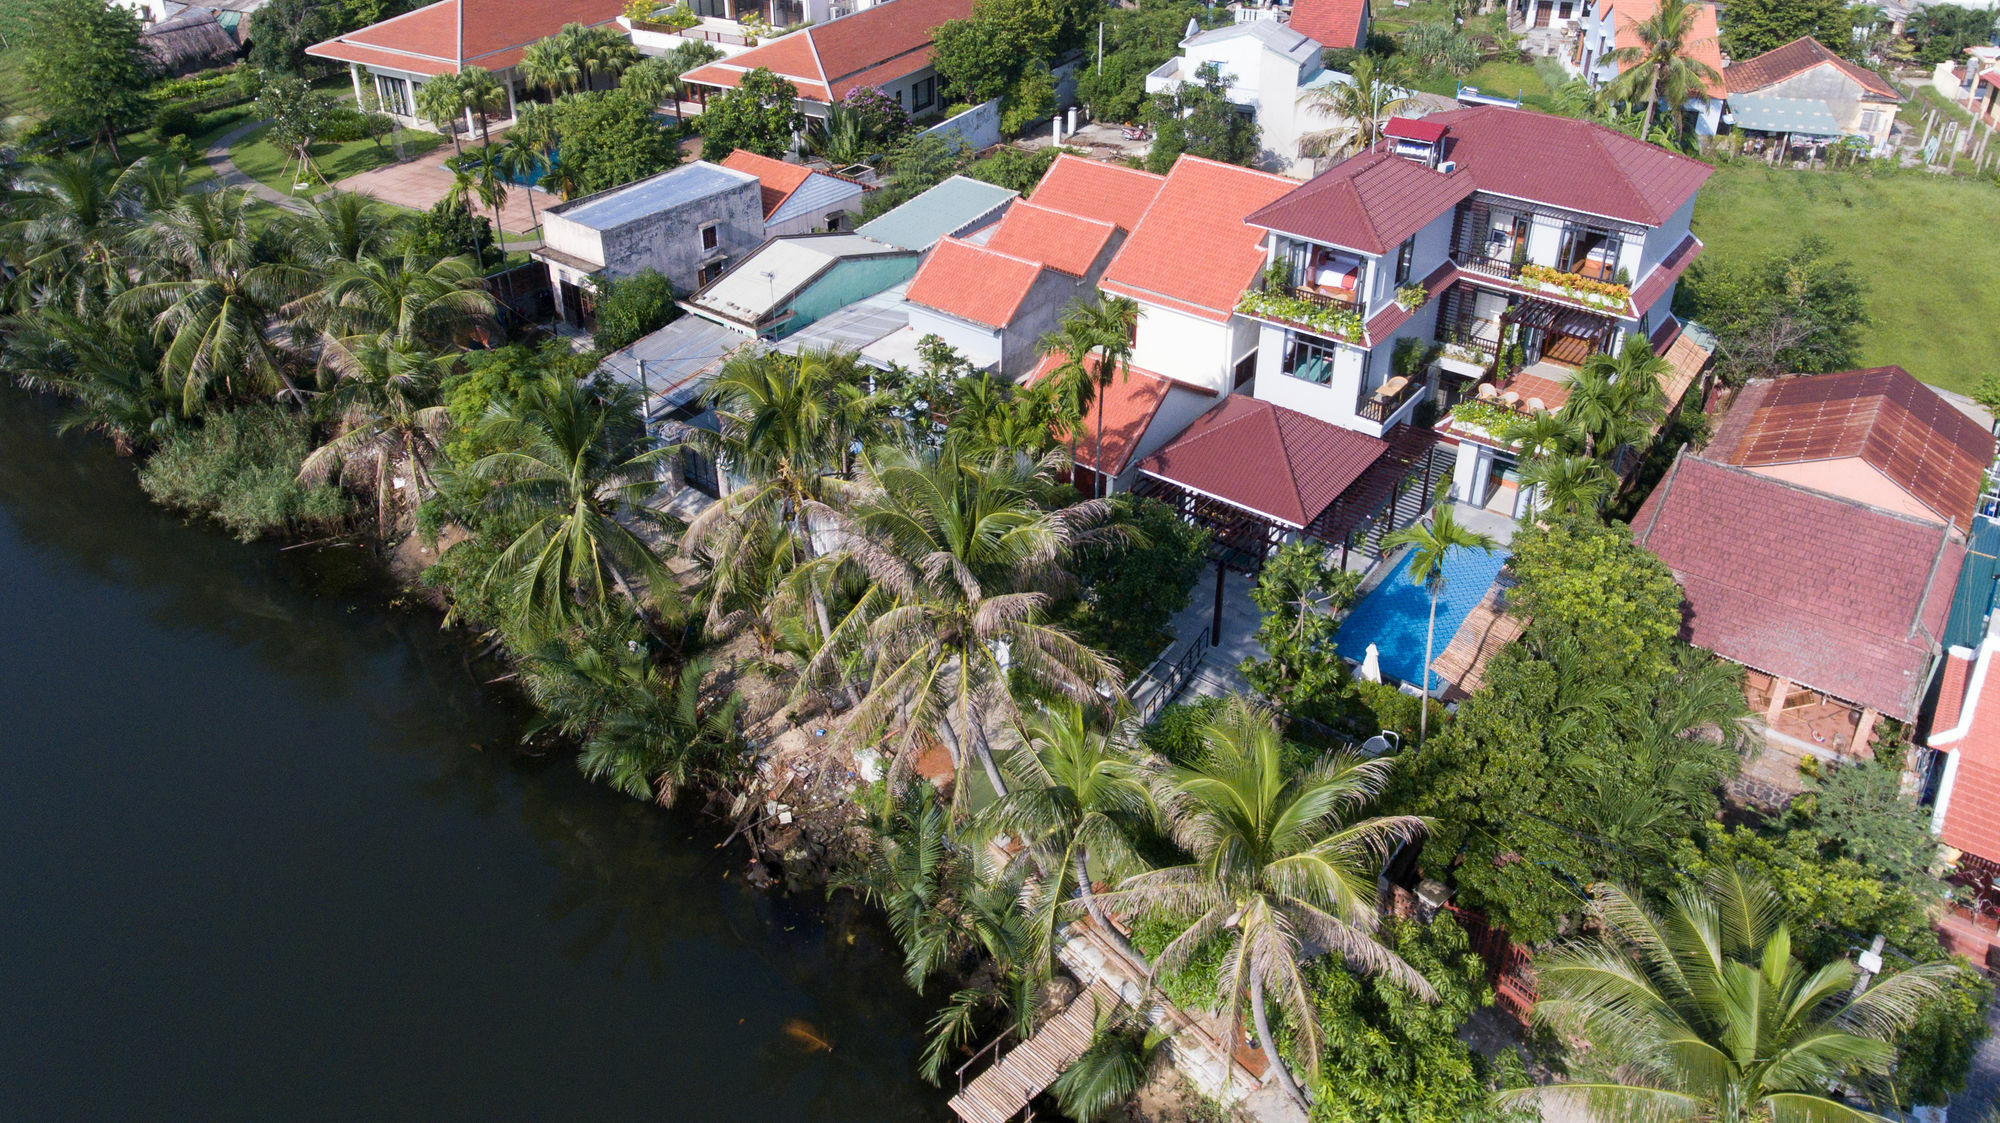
<point x="1607" y="26"/>
<point x="1266" y="66"/>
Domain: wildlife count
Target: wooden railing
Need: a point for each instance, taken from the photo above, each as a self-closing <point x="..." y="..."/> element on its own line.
<point x="1378" y="408"/>
<point x="1325" y="299"/>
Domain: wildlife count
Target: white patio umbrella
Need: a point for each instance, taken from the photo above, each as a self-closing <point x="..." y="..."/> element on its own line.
<point x="1371" y="665"/>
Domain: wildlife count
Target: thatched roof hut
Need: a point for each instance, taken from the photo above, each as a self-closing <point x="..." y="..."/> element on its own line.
<point x="189" y="40"/>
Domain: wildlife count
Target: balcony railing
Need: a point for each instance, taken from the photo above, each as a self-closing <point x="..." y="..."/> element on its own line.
<point x="1489" y="264"/>
<point x="1383" y="403"/>
<point x="1324" y="299"/>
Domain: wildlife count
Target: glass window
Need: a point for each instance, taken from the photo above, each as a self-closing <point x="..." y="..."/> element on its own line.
<point x="1309" y="360"/>
<point x="711" y="236"/>
<point x="925" y="93"/>
<point x="1404" y="254"/>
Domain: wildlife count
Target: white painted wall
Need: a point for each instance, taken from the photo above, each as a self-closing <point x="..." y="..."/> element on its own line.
<point x="1189" y="348"/>
<point x="978" y="343"/>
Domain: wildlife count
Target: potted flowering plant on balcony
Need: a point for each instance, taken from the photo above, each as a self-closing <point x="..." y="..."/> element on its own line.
<point x="1413" y="297"/>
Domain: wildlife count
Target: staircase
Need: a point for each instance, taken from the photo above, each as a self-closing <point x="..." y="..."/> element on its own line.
<point x="1413" y="502"/>
<point x="1003" y="1091"/>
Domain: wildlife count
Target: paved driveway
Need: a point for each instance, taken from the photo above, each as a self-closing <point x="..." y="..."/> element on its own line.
<point x="420" y="183"/>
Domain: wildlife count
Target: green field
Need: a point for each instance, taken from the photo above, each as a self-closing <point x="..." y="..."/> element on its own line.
<point x="262" y="161"/>
<point x="1916" y="240"/>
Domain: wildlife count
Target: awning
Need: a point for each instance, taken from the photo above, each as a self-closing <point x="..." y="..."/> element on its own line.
<point x="1767" y="113"/>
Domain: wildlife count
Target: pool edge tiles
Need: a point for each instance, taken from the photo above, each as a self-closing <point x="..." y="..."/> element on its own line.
<point x="1394" y="615"/>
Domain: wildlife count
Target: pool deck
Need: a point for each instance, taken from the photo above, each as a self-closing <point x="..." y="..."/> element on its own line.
<point x="420" y="183"/>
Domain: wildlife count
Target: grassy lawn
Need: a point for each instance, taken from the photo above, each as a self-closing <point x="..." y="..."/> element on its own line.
<point x="263" y="162"/>
<point x="1911" y="112"/>
<point x="1907" y="236"/>
<point x="1503" y="79"/>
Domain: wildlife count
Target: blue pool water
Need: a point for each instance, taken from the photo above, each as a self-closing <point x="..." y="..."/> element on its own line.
<point x="1394" y="615"/>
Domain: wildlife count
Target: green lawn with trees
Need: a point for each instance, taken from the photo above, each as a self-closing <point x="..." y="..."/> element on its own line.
<point x="1930" y="307"/>
<point x="266" y="163"/>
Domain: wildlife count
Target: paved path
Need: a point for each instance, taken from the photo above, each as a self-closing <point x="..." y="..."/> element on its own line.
<point x="227" y="174"/>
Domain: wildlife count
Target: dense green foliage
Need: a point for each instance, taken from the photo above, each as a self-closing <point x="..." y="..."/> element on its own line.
<point x="281" y="30"/>
<point x="1800" y="311"/>
<point x="608" y="139"/>
<point x="1137" y="39"/>
<point x="633" y="307"/>
<point x="1133" y="589"/>
<point x="241" y="468"/>
<point x="1199" y="120"/>
<point x="1756" y="26"/>
<point x="83" y="60"/>
<point x="759" y="115"/>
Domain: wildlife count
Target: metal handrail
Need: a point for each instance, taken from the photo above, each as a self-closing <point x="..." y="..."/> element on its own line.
<point x="1005" y="1033"/>
<point x="1175" y="679"/>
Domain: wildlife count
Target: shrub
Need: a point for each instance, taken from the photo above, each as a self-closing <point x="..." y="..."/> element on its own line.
<point x="345" y="125"/>
<point x="241" y="468"/>
<point x="631" y="308"/>
<point x="175" y="119"/>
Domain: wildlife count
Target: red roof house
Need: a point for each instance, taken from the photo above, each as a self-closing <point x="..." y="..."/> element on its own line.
<point x="887" y="46"/>
<point x="1814" y="590"/>
<point x="1284" y="465"/>
<point x="1110" y="193"/>
<point x="1966" y="814"/>
<point x="1192" y="252"/>
<point x="1333" y="23"/>
<point x="1139" y="411"/>
<point x="798" y="199"/>
<point x="446" y="37"/>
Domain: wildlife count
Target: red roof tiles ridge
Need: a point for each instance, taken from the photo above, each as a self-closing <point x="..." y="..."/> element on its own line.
<point x="1961" y="691"/>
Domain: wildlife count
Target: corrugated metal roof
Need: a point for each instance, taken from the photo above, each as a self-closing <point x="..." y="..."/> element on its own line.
<point x="1973" y="598"/>
<point x="817" y="195"/>
<point x="608" y="210"/>
<point x="677" y="360"/>
<point x="773" y="273"/>
<point x="953" y="207"/>
<point x="1769" y="113"/>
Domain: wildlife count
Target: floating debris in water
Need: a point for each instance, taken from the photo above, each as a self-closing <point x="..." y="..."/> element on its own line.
<point x="800" y="1030"/>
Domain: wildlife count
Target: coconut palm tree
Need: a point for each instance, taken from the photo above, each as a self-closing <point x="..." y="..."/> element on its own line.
<point x="601" y="51"/>
<point x="1567" y="485"/>
<point x="73" y="214"/>
<point x="1113" y="321"/>
<point x="1431" y="544"/>
<point x="662" y="737"/>
<point x="546" y="63"/>
<point x="1124" y="1053"/>
<point x="384" y="412"/>
<point x="214" y="308"/>
<point x="440" y="103"/>
<point x="655" y="81"/>
<point x="481" y="177"/>
<point x="1076" y="797"/>
<point x="1662" y="65"/>
<point x="1072" y="383"/>
<point x="1361" y="105"/>
<point x="481" y="95"/>
<point x="1542" y="434"/>
<point x="414" y="299"/>
<point x="522" y="160"/>
<point x="342" y="227"/>
<point x="1616" y="400"/>
<point x="960" y="552"/>
<point x="1280" y="868"/>
<point x="1712" y="1017"/>
<point x="105" y="368"/>
<point x="574" y="474"/>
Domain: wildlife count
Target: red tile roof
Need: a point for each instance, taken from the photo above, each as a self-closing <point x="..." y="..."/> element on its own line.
<point x="1395" y="315"/>
<point x="1565" y="162"/>
<point x="1193" y="252"/>
<point x="1967" y="725"/>
<point x="829" y="60"/>
<point x="1902" y="428"/>
<point x="973" y="282"/>
<point x="1267" y="459"/>
<point x="1414" y="128"/>
<point x="1797" y="57"/>
<point x="1058" y="240"/>
<point x="1831" y="594"/>
<point x="441" y="38"/>
<point x="1106" y="192"/>
<point x="1127" y="406"/>
<point x="777" y="178"/>
<point x="1704" y="43"/>
<point x="1666" y="273"/>
<point x="1334" y="23"/>
<point x="1370" y="203"/>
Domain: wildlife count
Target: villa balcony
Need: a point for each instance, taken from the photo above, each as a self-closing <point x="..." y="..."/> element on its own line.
<point x="1381" y="405"/>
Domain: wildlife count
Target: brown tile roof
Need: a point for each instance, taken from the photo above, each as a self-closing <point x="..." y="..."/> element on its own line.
<point x="1953" y="680"/>
<point x="1565" y="162"/>
<point x="1901" y="427"/>
<point x="1666" y="273"/>
<point x="1334" y="23"/>
<point x="1972" y="819"/>
<point x="1832" y="594"/>
<point x="1371" y="202"/>
<point x="1686" y="359"/>
<point x="1106" y="192"/>
<point x="1192" y="252"/>
<point x="1796" y="57"/>
<point x="973" y="282"/>
<point x="1128" y="407"/>
<point x="827" y="61"/>
<point x="1061" y="241"/>
<point x="441" y="38"/>
<point x="776" y="178"/>
<point x="1267" y="459"/>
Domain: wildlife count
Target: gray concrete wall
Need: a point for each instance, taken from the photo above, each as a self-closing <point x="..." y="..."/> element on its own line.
<point x="1841" y="94"/>
<point x="978" y="127"/>
<point x="670" y="241"/>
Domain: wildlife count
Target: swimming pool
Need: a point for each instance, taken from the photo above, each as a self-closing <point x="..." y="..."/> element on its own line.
<point x="1395" y="613"/>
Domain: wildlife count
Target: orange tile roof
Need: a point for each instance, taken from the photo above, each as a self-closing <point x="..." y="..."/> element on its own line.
<point x="1967" y="725"/>
<point x="1704" y="39"/>
<point x="1332" y="23"/>
<point x="1192" y="252"/>
<point x="829" y="60"/>
<point x="1109" y="193"/>
<point x="1127" y="408"/>
<point x="1060" y="241"/>
<point x="442" y="38"/>
<point x="777" y="178"/>
<point x="973" y="282"/>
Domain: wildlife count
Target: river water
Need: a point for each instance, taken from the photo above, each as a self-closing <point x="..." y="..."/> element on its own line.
<point x="266" y="852"/>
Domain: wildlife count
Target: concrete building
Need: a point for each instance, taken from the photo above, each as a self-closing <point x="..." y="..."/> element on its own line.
<point x="1266" y="67"/>
<point x="790" y="283"/>
<point x="689" y="224"/>
<point x="798" y="199"/>
<point x="1802" y="90"/>
<point x="1603" y="27"/>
